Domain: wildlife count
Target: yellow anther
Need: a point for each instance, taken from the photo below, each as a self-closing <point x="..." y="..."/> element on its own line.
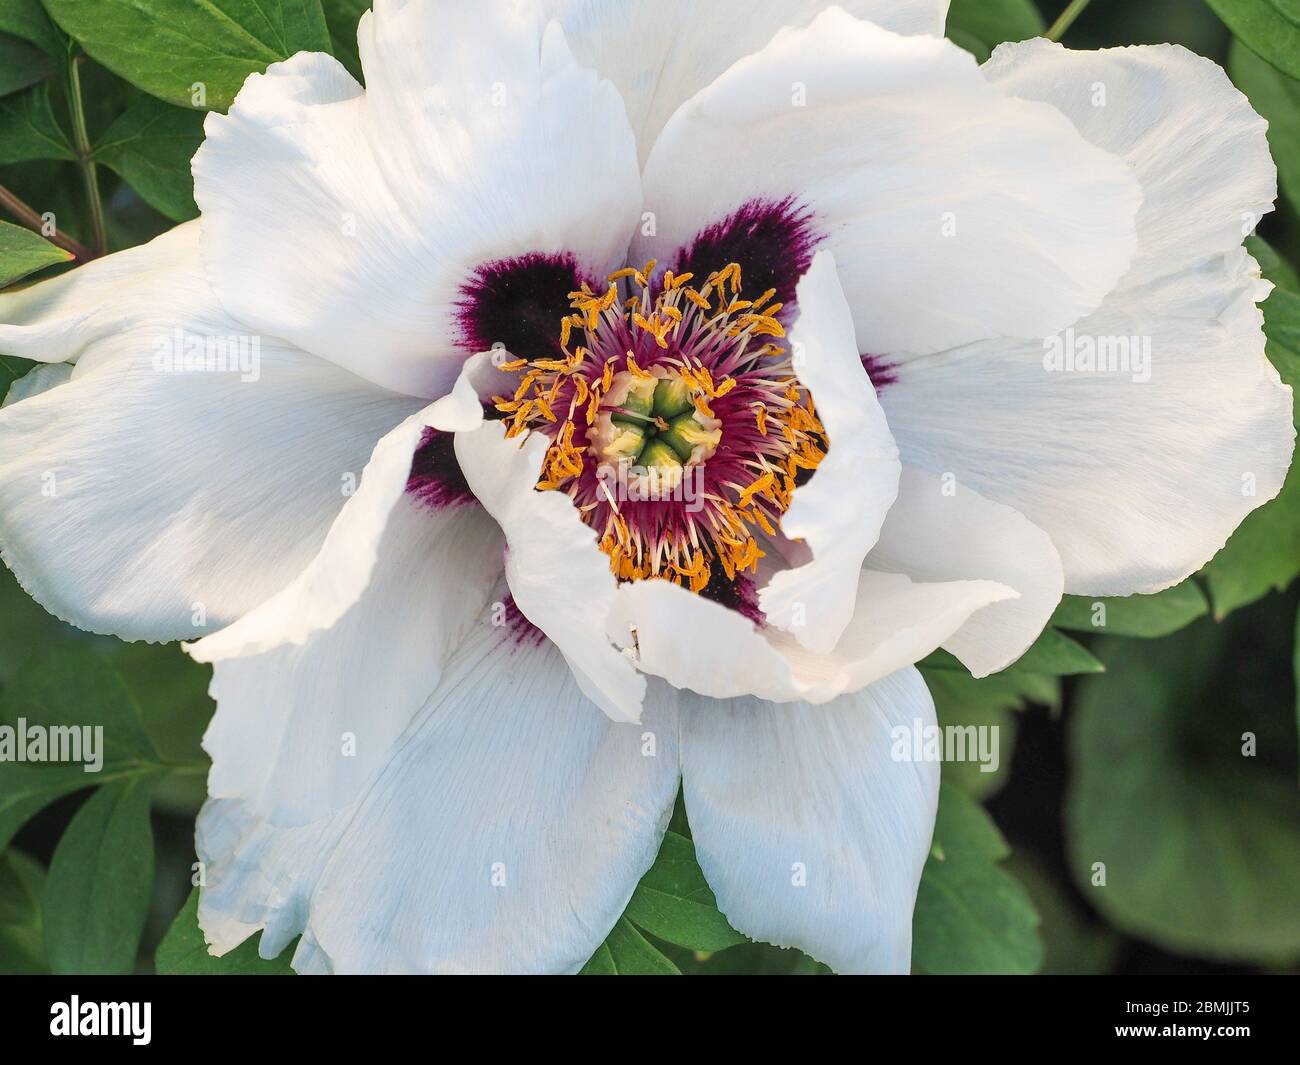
<point x="762" y="485"/>
<point x="636" y="370"/>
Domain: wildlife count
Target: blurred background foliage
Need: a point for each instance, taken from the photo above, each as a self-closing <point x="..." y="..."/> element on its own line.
<point x="1122" y="742"/>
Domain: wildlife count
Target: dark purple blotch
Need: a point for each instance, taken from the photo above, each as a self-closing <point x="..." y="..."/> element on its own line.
<point x="436" y="478"/>
<point x="881" y="371"/>
<point x="522" y="631"/>
<point x="772" y="240"/>
<point x="739" y="594"/>
<point x="518" y="302"/>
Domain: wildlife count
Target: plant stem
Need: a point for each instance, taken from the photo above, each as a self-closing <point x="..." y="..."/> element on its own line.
<point x="81" y="143"/>
<point x="1066" y="20"/>
<point x="28" y="217"/>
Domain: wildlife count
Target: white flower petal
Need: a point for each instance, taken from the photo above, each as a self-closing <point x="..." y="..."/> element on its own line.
<point x="1137" y="481"/>
<point x="661" y="54"/>
<point x="955" y="212"/>
<point x="839" y="512"/>
<point x="697" y="644"/>
<point x="300" y="727"/>
<point x="558" y="577"/>
<point x="156" y="503"/>
<point x="40" y="378"/>
<point x="336" y="578"/>
<point x="808" y="830"/>
<point x="349" y="220"/>
<point x="936" y="534"/>
<point x="506" y="835"/>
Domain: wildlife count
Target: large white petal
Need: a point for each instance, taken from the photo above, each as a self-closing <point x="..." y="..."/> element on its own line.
<point x="697" y="644"/>
<point x="558" y="577"/>
<point x="809" y="831"/>
<point x="154" y="502"/>
<point x="660" y="54"/>
<point x="940" y="530"/>
<point x="349" y="220"/>
<point x="1138" y="481"/>
<point x="342" y="569"/>
<point x="302" y="725"/>
<point x="837" y="514"/>
<point x="506" y="834"/>
<point x="955" y="212"/>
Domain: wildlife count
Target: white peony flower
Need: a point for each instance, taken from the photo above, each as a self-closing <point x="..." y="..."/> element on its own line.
<point x="727" y="498"/>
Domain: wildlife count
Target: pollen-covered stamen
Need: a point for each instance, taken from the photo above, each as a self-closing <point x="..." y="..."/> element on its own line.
<point x="678" y="425"/>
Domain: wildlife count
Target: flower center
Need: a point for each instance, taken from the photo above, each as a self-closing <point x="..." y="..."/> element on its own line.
<point x="651" y="423"/>
<point x="678" y="426"/>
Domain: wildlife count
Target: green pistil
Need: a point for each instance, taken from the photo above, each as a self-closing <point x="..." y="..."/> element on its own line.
<point x="672" y="398"/>
<point x="659" y="455"/>
<point x="638" y="404"/>
<point x="657" y="425"/>
<point x="684" y="434"/>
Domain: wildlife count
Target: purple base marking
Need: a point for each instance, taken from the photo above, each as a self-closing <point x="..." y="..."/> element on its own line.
<point x="881" y="371"/>
<point x="522" y="631"/>
<point x="436" y="478"/>
<point x="773" y="240"/>
<point x="518" y="302"/>
<point x="740" y="595"/>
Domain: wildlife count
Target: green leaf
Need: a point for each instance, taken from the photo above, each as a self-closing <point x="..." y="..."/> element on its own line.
<point x="100" y="881"/>
<point x="1295" y="672"/>
<point x="150" y="146"/>
<point x="22" y="883"/>
<point x="23" y="252"/>
<point x="1272" y="265"/>
<point x="184" y="952"/>
<point x="1056" y="655"/>
<point x="1261" y="555"/>
<point x="22" y="64"/>
<point x="25" y="790"/>
<point x="979" y="26"/>
<point x="69" y="686"/>
<point x="971" y="915"/>
<point x="626" y="952"/>
<point x="27" y="19"/>
<point x="26" y="629"/>
<point x="1191" y="823"/>
<point x="1133" y="615"/>
<point x="1269" y="28"/>
<point x="675" y="903"/>
<point x="166" y="47"/>
<point x="342" y="16"/>
<point x="961" y="701"/>
<point x="47" y="186"/>
<point x="1277" y="98"/>
<point x="75" y="686"/>
<point x="1074" y="942"/>
<point x="1053" y="654"/>
<point x="171" y="690"/>
<point x="29" y="130"/>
